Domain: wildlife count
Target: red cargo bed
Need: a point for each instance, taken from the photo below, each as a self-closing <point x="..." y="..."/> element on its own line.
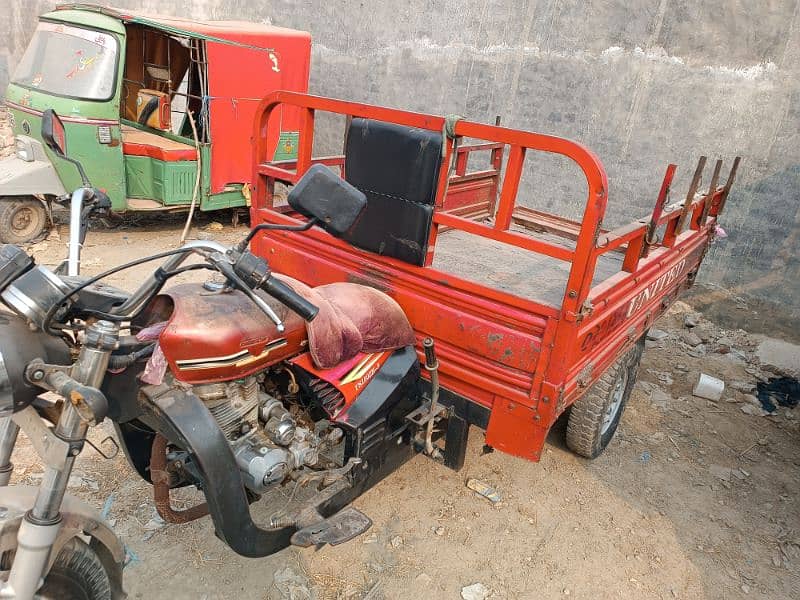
<point x="527" y="309"/>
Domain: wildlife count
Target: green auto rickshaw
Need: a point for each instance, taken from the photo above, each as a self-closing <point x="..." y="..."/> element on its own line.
<point x="159" y="110"/>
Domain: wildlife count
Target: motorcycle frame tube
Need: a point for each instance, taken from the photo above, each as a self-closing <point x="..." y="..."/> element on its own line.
<point x="41" y="524"/>
<point x="8" y="439"/>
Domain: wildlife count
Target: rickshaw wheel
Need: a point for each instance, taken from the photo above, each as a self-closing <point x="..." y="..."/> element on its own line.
<point x="594" y="417"/>
<point x="22" y="220"/>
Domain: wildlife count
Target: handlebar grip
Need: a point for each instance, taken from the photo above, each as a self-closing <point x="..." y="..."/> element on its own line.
<point x="283" y="293"/>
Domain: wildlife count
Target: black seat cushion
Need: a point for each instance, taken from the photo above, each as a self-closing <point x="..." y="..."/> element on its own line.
<point x="397" y="168"/>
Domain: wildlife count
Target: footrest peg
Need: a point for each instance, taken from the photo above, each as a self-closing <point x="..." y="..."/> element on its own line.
<point x="342" y="527"/>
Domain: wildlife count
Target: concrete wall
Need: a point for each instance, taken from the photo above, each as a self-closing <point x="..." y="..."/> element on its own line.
<point x="643" y="83"/>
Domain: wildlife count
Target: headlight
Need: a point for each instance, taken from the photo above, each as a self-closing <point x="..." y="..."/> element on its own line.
<point x="24" y="149"/>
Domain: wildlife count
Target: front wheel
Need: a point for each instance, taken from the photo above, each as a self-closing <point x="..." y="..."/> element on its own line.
<point x="76" y="574"/>
<point x="22" y="220"/>
<point x="594" y="417"/>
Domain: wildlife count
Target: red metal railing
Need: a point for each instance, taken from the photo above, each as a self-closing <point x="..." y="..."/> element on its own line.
<point x="584" y="256"/>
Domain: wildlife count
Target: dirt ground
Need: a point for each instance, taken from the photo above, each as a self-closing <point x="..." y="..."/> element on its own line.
<point x="693" y="499"/>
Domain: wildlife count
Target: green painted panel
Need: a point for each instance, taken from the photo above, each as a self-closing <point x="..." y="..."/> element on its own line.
<point x="86" y="18"/>
<point x="287" y="146"/>
<point x="170" y="183"/>
<point x="223" y="200"/>
<point x="103" y="162"/>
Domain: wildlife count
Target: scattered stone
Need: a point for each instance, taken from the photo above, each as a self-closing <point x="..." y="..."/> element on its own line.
<point x="396" y="541"/>
<point x="691" y="320"/>
<point x="741" y="386"/>
<point x="476" y="591"/>
<point x="721" y="473"/>
<point x="423" y="579"/>
<point x="779" y="357"/>
<point x="681" y="367"/>
<point x="660" y="398"/>
<point x="704" y="333"/>
<point x="697" y="352"/>
<point x="755" y="411"/>
<point x="745" y="588"/>
<point x="691" y="338"/>
<point x="292" y="585"/>
<point x="155" y="523"/>
<point x="214" y="226"/>
<point x="656" y="335"/>
<point x="439" y="531"/>
<point x="484" y="490"/>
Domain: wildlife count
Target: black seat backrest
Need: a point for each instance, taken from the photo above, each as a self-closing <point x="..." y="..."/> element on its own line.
<point x="397" y="168"/>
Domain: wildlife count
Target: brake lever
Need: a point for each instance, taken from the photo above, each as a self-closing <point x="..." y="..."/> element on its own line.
<point x="224" y="267"/>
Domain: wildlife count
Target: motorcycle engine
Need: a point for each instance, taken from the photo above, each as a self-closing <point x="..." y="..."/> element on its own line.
<point x="266" y="438"/>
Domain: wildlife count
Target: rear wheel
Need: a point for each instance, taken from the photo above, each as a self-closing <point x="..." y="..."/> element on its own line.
<point x="22" y="220"/>
<point x="594" y="418"/>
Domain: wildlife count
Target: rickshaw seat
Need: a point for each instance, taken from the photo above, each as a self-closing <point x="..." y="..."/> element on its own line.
<point x="397" y="168"/>
<point x="136" y="142"/>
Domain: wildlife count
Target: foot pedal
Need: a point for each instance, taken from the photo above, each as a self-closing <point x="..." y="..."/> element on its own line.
<point x="342" y="527"/>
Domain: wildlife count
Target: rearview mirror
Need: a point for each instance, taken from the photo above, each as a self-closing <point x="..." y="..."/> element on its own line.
<point x="53" y="132"/>
<point x="322" y="195"/>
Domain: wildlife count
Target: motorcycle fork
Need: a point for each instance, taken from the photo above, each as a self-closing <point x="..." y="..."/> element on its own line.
<point x="8" y="439"/>
<point x="39" y="528"/>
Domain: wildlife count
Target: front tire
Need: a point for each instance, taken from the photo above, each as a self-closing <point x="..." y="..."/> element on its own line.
<point x="595" y="416"/>
<point x="22" y="220"/>
<point x="76" y="574"/>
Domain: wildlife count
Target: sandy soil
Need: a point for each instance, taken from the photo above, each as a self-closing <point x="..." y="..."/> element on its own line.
<point x="692" y="499"/>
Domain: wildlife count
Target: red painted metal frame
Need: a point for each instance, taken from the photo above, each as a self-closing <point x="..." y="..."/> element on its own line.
<point x="525" y="360"/>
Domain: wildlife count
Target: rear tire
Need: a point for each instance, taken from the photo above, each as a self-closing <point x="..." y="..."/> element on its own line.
<point x="22" y="220"/>
<point x="595" y="416"/>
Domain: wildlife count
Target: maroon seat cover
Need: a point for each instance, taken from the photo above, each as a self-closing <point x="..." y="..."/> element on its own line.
<point x="352" y="318"/>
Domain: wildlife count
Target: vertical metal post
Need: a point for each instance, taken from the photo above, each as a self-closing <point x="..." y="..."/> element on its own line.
<point x="8" y="439"/>
<point x="39" y="528"/>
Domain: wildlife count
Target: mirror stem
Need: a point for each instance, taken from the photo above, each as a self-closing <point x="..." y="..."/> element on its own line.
<point x="75" y="226"/>
<point x="273" y="227"/>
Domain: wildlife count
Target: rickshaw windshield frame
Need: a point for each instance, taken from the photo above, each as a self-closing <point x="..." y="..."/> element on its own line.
<point x="38" y="54"/>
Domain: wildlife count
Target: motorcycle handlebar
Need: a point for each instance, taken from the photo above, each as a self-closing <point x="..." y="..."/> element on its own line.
<point x="286" y="295"/>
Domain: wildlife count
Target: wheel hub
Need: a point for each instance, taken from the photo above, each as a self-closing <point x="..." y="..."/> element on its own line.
<point x="22" y="219"/>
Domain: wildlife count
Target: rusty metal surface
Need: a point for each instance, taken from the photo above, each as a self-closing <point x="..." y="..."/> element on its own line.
<point x="161" y="497"/>
<point x="216" y="337"/>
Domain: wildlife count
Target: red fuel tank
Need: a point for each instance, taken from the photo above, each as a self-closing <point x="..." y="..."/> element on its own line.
<point x="222" y="336"/>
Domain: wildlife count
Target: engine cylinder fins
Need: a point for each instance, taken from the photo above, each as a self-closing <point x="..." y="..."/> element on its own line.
<point x="331" y="399"/>
<point x="231" y="404"/>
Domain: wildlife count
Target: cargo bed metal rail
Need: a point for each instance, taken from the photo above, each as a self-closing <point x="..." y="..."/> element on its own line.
<point x="520" y="362"/>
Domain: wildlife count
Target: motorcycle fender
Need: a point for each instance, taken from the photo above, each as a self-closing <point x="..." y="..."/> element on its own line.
<point x="23" y="178"/>
<point x="78" y="519"/>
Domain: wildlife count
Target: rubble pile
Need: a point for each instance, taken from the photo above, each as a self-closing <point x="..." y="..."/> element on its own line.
<point x="712" y="365"/>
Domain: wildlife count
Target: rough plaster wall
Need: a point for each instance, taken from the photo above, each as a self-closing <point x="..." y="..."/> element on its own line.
<point x="643" y="83"/>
